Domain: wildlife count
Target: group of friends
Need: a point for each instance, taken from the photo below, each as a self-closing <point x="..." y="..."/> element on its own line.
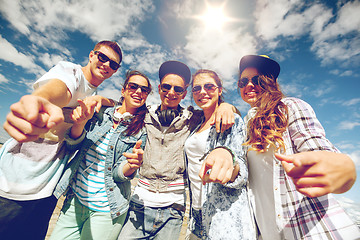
<point x="270" y="175"/>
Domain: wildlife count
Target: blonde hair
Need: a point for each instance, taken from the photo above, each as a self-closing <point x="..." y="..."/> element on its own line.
<point x="270" y="121"/>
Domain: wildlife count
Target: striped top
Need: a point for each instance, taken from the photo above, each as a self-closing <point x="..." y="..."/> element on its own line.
<point x="89" y="184"/>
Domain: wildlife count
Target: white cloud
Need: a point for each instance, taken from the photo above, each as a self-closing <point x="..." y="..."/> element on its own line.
<point x="335" y="37"/>
<point x="11" y="54"/>
<point x="347" y="125"/>
<point x="355" y="156"/>
<point x="351" y="102"/>
<point x="3" y="79"/>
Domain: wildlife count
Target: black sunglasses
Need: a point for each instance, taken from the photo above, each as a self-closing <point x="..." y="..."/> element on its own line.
<point x="167" y="87"/>
<point x="103" y="58"/>
<point x="134" y="87"/>
<point x="209" y="87"/>
<point x="244" y="81"/>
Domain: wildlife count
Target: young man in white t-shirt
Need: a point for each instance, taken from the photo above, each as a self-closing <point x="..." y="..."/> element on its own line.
<point x="32" y="161"/>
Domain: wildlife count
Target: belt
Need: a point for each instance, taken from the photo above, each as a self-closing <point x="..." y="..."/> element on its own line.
<point x="178" y="207"/>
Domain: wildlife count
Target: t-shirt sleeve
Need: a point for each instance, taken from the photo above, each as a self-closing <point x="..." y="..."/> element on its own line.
<point x="64" y="71"/>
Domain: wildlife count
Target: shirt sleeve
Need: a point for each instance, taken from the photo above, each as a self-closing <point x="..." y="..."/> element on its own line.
<point x="233" y="138"/>
<point x="304" y="129"/>
<point x="64" y="71"/>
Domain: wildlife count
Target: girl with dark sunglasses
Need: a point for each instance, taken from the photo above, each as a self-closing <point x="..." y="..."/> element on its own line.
<point x="291" y="201"/>
<point x="97" y="180"/>
<point x="219" y="203"/>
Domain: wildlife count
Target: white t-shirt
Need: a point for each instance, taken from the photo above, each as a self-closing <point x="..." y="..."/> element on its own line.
<point x="195" y="147"/>
<point x="31" y="170"/>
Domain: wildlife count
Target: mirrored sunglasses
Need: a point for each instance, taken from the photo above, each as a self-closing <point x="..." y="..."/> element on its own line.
<point x="133" y="87"/>
<point x="209" y="87"/>
<point x="167" y="87"/>
<point x="103" y="58"/>
<point x="244" y="81"/>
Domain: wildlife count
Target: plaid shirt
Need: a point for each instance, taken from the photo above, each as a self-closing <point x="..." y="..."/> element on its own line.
<point x="298" y="216"/>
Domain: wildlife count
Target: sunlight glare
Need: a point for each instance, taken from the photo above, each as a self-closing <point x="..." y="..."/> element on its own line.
<point x="214" y="17"/>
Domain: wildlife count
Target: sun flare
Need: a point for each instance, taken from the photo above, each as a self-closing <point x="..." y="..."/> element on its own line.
<point x="214" y="17"/>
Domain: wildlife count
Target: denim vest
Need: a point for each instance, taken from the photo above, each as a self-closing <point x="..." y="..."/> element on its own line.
<point x="118" y="187"/>
<point x="163" y="160"/>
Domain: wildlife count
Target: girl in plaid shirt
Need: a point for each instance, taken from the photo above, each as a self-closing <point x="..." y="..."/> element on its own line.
<point x="290" y="193"/>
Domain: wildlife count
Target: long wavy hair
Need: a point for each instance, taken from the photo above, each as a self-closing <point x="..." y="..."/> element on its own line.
<point x="136" y="123"/>
<point x="271" y="119"/>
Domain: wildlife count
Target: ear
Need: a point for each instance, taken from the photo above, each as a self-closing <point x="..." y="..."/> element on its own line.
<point x="91" y="55"/>
<point x="122" y="92"/>
<point x="220" y="91"/>
<point x="159" y="88"/>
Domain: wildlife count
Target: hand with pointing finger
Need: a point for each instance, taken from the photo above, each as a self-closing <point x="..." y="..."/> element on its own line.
<point x="32" y="116"/>
<point x="134" y="159"/>
<point x="218" y="167"/>
<point x="318" y="173"/>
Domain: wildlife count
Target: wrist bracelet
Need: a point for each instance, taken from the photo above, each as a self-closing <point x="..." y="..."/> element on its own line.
<point x="229" y="150"/>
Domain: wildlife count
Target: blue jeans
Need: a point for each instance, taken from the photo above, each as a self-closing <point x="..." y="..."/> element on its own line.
<point x="195" y="224"/>
<point x="152" y="223"/>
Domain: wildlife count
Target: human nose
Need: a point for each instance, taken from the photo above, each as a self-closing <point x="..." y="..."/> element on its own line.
<point x="250" y="83"/>
<point x="172" y="90"/>
<point x="107" y="64"/>
<point x="138" y="90"/>
<point x="202" y="90"/>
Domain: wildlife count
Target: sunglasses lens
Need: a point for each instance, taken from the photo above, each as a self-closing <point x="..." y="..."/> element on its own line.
<point x="178" y="89"/>
<point x="196" y="88"/>
<point x="114" y="65"/>
<point x="243" y="82"/>
<point x="165" y="87"/>
<point x="145" y="89"/>
<point x="133" y="86"/>
<point x="209" y="87"/>
<point x="103" y="58"/>
<point x="255" y="80"/>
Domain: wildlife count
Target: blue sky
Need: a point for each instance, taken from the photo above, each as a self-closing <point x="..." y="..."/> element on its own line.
<point x="317" y="44"/>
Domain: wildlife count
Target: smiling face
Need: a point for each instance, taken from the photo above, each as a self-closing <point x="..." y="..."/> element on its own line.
<point x="250" y="92"/>
<point x="100" y="71"/>
<point x="206" y="99"/>
<point x="170" y="99"/>
<point x="134" y="98"/>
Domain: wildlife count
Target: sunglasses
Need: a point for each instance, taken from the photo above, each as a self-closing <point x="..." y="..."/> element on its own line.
<point x="244" y="81"/>
<point x="103" y="58"/>
<point x="209" y="87"/>
<point x="167" y="87"/>
<point x="133" y="87"/>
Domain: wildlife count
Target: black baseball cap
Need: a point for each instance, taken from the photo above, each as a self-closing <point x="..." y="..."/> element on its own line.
<point x="175" y="67"/>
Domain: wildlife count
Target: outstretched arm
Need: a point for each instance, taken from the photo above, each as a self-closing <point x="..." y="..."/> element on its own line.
<point x="317" y="173"/>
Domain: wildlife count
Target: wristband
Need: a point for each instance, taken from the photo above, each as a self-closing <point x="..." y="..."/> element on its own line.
<point x="230" y="151"/>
